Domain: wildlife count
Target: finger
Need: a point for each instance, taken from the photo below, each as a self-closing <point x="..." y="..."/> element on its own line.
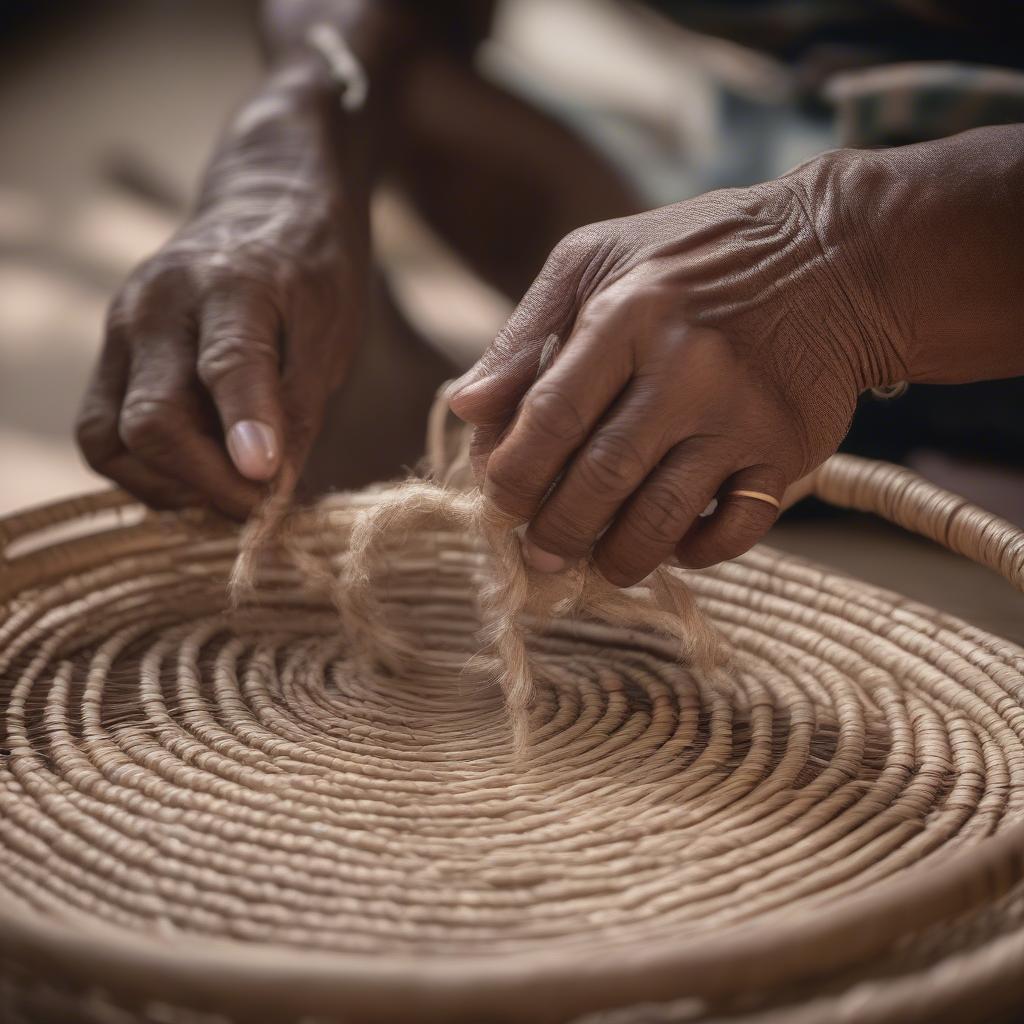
<point x="96" y="424"/>
<point x="609" y="467"/>
<point x="486" y="438"/>
<point x="161" y="421"/>
<point x="239" y="364"/>
<point x="738" y="522"/>
<point x="153" y="489"/>
<point x="661" y="512"/>
<point x="96" y="428"/>
<point x="103" y="450"/>
<point x="561" y="410"/>
<point x="489" y="393"/>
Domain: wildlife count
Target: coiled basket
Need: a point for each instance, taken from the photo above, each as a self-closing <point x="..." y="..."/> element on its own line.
<point x="212" y="816"/>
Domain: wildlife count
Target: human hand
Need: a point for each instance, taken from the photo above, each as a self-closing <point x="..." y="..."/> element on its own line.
<point x="713" y="346"/>
<point x="222" y="349"/>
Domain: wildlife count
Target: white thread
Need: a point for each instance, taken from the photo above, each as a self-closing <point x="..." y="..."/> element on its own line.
<point x="344" y="66"/>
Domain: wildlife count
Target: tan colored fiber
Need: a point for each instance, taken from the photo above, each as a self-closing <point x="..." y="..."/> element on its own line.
<point x="511" y="591"/>
<point x="308" y="809"/>
<point x="662" y="603"/>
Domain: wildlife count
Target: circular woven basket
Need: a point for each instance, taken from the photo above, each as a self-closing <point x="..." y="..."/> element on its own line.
<point x="212" y="816"/>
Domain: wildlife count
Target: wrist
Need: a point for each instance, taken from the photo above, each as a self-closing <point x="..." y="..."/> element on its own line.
<point x="286" y="152"/>
<point x="925" y="239"/>
<point x="951" y="220"/>
<point x="297" y="103"/>
<point x="380" y="36"/>
<point x="847" y="196"/>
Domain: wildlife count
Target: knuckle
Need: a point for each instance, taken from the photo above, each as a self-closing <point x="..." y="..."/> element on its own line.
<point x="153" y="294"/>
<point x="150" y="427"/>
<point x="659" y="517"/>
<point x="230" y="354"/>
<point x="612" y="462"/>
<point x="576" y="246"/>
<point x="156" y="280"/>
<point x="601" y="308"/>
<point x="549" y="413"/>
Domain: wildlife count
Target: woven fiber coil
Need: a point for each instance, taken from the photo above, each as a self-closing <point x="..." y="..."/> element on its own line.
<point x="212" y="815"/>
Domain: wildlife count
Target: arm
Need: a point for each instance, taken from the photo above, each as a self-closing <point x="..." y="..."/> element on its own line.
<point x="940" y="224"/>
<point x="222" y="348"/>
<point x="719" y="345"/>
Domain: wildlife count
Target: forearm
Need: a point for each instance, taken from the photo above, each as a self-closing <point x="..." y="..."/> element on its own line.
<point x="287" y="149"/>
<point x="944" y="224"/>
<point x="314" y="130"/>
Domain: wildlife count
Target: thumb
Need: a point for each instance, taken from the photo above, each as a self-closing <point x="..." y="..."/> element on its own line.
<point x="489" y="393"/>
<point x="239" y="364"/>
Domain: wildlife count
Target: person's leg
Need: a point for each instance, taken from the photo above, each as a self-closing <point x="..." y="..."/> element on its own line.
<point x="499" y="179"/>
<point x="375" y="425"/>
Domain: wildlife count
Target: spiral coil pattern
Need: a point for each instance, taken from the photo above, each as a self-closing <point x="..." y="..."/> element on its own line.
<point x="180" y="773"/>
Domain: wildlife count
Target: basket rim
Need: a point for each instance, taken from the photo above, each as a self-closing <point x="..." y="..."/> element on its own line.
<point x="264" y="978"/>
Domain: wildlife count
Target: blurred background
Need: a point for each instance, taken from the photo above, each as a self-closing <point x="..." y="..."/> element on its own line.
<point x="108" y="111"/>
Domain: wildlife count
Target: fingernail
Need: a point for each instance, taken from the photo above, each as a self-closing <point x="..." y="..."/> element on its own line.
<point x="541" y="560"/>
<point x="453" y="387"/>
<point x="252" y="446"/>
<point x="460" y="384"/>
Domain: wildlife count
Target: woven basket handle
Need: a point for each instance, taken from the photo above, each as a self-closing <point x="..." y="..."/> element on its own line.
<point x="906" y="499"/>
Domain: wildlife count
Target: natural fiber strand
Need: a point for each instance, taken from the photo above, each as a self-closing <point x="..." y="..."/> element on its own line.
<point x="662" y="603"/>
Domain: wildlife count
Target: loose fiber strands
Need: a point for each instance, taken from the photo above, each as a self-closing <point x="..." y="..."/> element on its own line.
<point x="511" y="593"/>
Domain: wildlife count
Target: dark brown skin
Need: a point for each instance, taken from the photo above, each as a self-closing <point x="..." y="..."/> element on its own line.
<point x="249" y="315"/>
<point x="714" y="345"/>
<point x="721" y="343"/>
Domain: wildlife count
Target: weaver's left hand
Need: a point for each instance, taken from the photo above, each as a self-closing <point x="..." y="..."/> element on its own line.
<point x="712" y="347"/>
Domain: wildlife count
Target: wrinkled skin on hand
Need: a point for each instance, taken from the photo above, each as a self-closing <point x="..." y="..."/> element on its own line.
<point x="239" y="328"/>
<point x="715" y="345"/>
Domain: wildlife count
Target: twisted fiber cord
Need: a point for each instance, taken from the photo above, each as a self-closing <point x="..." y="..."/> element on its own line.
<point x="512" y="592"/>
<point x="272" y="521"/>
<point x="663" y="603"/>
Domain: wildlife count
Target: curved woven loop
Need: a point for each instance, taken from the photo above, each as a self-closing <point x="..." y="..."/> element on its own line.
<point x="44" y="517"/>
<point x="908" y="500"/>
<point x="51" y="541"/>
